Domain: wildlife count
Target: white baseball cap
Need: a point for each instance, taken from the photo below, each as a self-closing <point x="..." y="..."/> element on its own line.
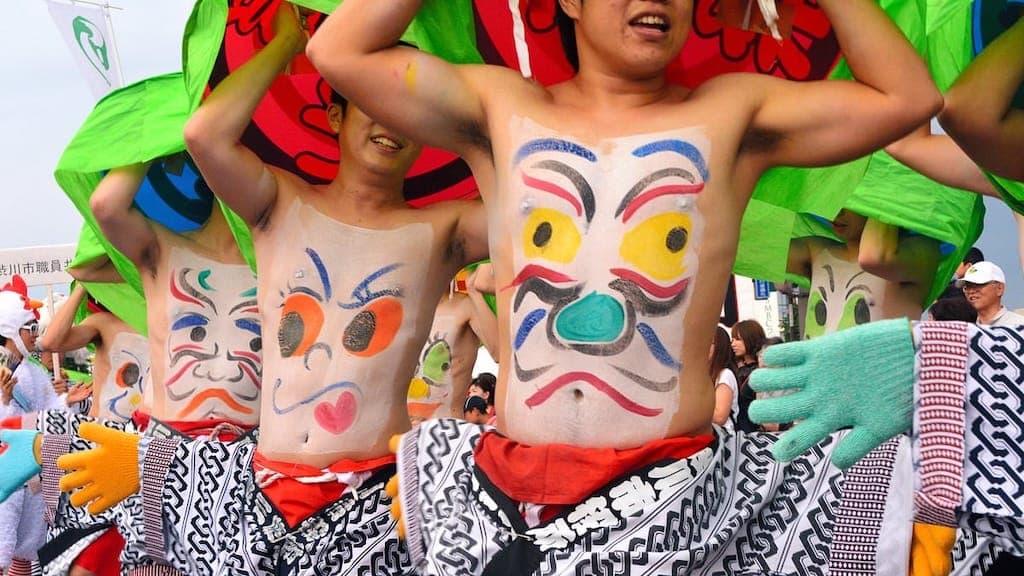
<point x="983" y="273"/>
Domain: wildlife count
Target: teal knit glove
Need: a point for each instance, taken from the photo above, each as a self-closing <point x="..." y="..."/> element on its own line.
<point x="17" y="460"/>
<point x="862" y="378"/>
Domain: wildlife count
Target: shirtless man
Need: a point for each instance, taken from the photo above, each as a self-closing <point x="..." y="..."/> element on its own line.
<point x="872" y="275"/>
<point x="121" y="364"/>
<point x="349" y="277"/>
<point x="445" y="369"/>
<point x="600" y="190"/>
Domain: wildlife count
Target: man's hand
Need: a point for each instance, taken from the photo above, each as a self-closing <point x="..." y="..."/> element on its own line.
<point x="78" y="393"/>
<point x="862" y="378"/>
<point x="60" y="386"/>
<point x="105" y="475"/>
<point x="18" y="460"/>
<point x="287" y="24"/>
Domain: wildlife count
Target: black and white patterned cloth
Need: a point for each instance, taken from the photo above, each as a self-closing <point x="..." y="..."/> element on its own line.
<point x="205" y="514"/>
<point x="730" y="509"/>
<point x="71" y="529"/>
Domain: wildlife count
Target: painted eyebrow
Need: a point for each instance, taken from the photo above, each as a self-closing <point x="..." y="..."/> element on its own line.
<point x="249" y="325"/>
<point x="250" y="304"/>
<point x="685" y="149"/>
<point x="637" y="197"/>
<point x="583" y="189"/>
<point x="552" y="145"/>
<point x="190" y="321"/>
<point x="864" y="287"/>
<point x="182" y="290"/>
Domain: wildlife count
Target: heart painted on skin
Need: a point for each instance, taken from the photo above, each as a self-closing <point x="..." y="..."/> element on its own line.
<point x="337" y="417"/>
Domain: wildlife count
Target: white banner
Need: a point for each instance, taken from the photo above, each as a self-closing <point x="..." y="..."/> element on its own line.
<point x="38" y="265"/>
<point x="91" y="41"/>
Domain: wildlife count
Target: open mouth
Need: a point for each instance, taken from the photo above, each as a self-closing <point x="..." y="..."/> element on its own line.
<point x="546" y="391"/>
<point x="387" y="143"/>
<point x="652" y="22"/>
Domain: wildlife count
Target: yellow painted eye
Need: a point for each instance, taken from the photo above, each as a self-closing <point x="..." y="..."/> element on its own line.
<point x="551" y="235"/>
<point x="657" y="245"/>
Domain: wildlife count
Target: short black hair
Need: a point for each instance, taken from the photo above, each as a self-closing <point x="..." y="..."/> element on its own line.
<point x="3" y="340"/>
<point x="974" y="256"/>
<point x="475" y="403"/>
<point x="340" y="100"/>
<point x="953" y="309"/>
<point x="567" y="32"/>
<point x="487" y="382"/>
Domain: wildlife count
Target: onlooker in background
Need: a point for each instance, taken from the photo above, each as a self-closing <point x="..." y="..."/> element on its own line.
<point x="726" y="387"/>
<point x="475" y="410"/>
<point x="747" y="338"/>
<point x="984" y="284"/>
<point x="973" y="256"/>
<point x="483" y="386"/>
<point x="953" y="309"/>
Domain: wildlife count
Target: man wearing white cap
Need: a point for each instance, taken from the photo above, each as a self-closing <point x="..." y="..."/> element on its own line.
<point x="983" y="285"/>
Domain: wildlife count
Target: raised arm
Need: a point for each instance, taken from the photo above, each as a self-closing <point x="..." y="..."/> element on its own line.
<point x="419" y="95"/>
<point x="820" y="123"/>
<point x="978" y="112"/>
<point x="798" y="260"/>
<point x="910" y="260"/>
<point x="61" y="335"/>
<point x="124" y="226"/>
<point x="938" y="157"/>
<point x="234" y="173"/>
<point x="483" y="320"/>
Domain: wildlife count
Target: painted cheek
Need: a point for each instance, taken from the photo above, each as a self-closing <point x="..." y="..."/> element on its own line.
<point x="127" y="375"/>
<point x="373" y="328"/>
<point x="657" y="245"/>
<point x="855" y="312"/>
<point x="817" y="316"/>
<point x="301" y="320"/>
<point x="551" y="235"/>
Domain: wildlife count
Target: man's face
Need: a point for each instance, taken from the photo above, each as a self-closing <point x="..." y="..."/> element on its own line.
<point x="638" y="38"/>
<point x="984" y="296"/>
<point x="849" y="225"/>
<point x="475" y="416"/>
<point x="29" y="332"/>
<point x="371" y="145"/>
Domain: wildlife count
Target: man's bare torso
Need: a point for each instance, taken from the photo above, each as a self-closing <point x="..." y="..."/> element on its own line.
<point x="350" y="298"/>
<point x="613" y="235"/>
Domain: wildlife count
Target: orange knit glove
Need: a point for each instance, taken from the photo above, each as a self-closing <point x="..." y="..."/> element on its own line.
<point x="391" y="489"/>
<point x="105" y="475"/>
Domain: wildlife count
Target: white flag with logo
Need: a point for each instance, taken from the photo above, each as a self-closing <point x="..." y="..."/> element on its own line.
<point x="91" y="41"/>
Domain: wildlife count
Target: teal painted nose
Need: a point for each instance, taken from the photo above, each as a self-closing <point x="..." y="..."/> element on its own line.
<point x="596" y="318"/>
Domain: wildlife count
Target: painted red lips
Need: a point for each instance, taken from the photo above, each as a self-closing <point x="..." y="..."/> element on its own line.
<point x="549" y="389"/>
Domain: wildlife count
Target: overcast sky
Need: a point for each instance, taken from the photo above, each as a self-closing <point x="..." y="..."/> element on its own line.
<point x="45" y="99"/>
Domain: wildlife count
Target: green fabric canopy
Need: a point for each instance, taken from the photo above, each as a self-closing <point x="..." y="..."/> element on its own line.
<point x="875" y="186"/>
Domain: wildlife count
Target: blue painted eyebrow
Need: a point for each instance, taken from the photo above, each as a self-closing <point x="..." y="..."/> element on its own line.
<point x="552" y="145"/>
<point x="684" y="149"/>
<point x="249" y="325"/>
<point x="189" y="321"/>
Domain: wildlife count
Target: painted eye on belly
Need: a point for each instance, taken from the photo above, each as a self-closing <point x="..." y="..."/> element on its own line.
<point x="657" y="245"/>
<point x="127" y="375"/>
<point x="551" y="235"/>
<point x="301" y="320"/>
<point x="856" y="311"/>
<point x="373" y="328"/>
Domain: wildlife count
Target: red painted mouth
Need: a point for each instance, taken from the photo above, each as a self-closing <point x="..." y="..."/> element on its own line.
<point x="549" y="389"/>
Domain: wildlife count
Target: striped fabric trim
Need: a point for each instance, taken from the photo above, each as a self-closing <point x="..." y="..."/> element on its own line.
<point x="20" y="567"/>
<point x="52" y="447"/>
<point x="156" y="461"/>
<point x="942" y="369"/>
<point x="861" y="512"/>
<point x="408" y="494"/>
